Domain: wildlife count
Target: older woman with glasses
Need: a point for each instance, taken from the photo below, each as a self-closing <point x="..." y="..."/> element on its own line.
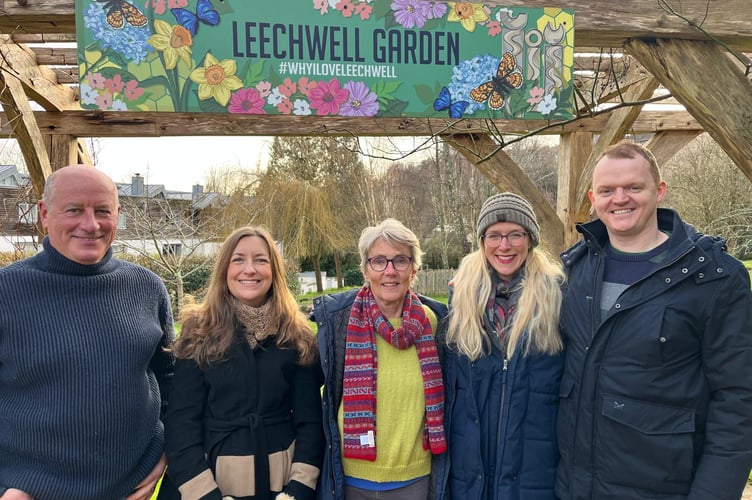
<point x="504" y="361"/>
<point x="383" y="399"/>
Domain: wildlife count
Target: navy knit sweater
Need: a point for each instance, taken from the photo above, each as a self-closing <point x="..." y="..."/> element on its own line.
<point x="81" y="367"/>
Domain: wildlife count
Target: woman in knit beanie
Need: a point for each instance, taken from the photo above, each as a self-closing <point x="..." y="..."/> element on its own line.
<point x="504" y="360"/>
<point x="244" y="413"/>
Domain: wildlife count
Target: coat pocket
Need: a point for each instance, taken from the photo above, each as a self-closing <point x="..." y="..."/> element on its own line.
<point x="645" y="445"/>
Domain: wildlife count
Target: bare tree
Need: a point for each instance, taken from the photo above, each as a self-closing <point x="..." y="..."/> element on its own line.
<point x="708" y="189"/>
<point x="170" y="236"/>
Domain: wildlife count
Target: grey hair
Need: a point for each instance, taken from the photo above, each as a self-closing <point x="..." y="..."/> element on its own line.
<point x="393" y="232"/>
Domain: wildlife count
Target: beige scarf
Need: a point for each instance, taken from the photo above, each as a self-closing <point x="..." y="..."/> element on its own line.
<point x="257" y="321"/>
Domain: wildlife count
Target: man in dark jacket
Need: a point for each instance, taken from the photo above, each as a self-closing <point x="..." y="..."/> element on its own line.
<point x="656" y="396"/>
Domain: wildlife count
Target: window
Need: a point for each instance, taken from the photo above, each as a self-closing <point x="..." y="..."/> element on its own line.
<point x="172" y="249"/>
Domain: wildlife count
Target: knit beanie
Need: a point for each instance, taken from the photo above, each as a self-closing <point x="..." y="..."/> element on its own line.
<point x="509" y="207"/>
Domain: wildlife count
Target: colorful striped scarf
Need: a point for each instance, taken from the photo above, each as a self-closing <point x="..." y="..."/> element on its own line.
<point x="359" y="385"/>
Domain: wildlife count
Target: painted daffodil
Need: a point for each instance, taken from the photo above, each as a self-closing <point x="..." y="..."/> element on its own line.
<point x="216" y="79"/>
<point x="173" y="41"/>
<point x="467" y="14"/>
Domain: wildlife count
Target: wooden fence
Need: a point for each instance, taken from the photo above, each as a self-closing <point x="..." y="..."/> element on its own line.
<point x="433" y="281"/>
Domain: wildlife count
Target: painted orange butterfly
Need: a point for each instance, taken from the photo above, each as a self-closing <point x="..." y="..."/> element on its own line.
<point x="121" y="11"/>
<point x="508" y="77"/>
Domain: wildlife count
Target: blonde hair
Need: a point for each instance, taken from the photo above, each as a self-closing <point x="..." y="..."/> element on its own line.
<point x="537" y="310"/>
<point x="209" y="328"/>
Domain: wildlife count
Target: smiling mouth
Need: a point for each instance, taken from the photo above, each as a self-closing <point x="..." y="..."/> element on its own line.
<point x="622" y="211"/>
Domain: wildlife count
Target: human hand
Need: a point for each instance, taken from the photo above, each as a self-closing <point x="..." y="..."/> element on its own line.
<point x="14" y="494"/>
<point x="145" y="489"/>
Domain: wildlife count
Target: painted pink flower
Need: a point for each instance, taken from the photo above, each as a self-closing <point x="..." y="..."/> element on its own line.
<point x="321" y="5"/>
<point x="159" y="5"/>
<point x="288" y="87"/>
<point x="363" y="10"/>
<point x="305" y="86"/>
<point x="96" y="80"/>
<point x="247" y="101"/>
<point x="285" y="106"/>
<point x="104" y="101"/>
<point x="114" y="84"/>
<point x="345" y="7"/>
<point x="536" y="95"/>
<point x="264" y="88"/>
<point x="132" y="90"/>
<point x="327" y="97"/>
<point x="494" y="28"/>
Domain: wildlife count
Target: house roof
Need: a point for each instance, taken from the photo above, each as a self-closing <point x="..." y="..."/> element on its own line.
<point x="9" y="176"/>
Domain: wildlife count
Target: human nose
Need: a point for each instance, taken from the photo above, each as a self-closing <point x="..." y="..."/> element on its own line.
<point x="249" y="268"/>
<point x="620" y="195"/>
<point x="89" y="221"/>
<point x="390" y="263"/>
<point x="504" y="242"/>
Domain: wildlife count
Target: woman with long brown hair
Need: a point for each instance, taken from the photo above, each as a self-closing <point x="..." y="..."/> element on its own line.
<point x="244" y="414"/>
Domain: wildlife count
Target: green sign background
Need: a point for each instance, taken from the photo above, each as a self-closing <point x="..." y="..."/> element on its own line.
<point x="412" y="58"/>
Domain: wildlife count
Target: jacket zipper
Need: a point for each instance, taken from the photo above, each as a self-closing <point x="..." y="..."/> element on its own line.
<point x="499" y="441"/>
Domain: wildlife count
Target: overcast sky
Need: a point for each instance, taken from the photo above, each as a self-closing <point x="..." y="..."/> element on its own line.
<point x="177" y="162"/>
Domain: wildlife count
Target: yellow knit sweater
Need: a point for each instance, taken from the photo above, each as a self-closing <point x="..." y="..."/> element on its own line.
<point x="400" y="416"/>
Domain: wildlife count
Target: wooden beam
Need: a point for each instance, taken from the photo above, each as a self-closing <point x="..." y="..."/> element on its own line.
<point x="506" y="175"/>
<point x="39" y="82"/>
<point x="63" y="150"/>
<point x="21" y="118"/>
<point x="664" y="145"/>
<point x="724" y="108"/>
<point x="84" y="155"/>
<point x="599" y="23"/>
<point x="155" y="124"/>
<point x="619" y="123"/>
<point x="574" y="151"/>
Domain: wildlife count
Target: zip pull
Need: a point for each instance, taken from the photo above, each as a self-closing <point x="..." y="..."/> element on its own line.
<point x="505" y="365"/>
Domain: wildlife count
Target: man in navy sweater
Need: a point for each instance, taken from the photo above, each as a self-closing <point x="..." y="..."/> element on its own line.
<point x="83" y="369"/>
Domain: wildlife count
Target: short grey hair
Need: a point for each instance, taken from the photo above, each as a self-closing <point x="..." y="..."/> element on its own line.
<point x="393" y="232"/>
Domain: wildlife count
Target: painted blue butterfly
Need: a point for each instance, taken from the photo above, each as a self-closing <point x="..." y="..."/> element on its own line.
<point x="444" y="101"/>
<point x="205" y="13"/>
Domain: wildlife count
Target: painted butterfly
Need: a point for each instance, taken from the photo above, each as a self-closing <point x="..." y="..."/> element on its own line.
<point x="205" y="13"/>
<point x="444" y="101"/>
<point x="120" y="11"/>
<point x="507" y="78"/>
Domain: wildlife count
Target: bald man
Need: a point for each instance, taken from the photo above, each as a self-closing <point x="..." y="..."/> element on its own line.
<point x="83" y="370"/>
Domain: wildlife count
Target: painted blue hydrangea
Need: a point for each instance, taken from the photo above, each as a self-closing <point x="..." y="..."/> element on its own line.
<point x="469" y="74"/>
<point x="129" y="41"/>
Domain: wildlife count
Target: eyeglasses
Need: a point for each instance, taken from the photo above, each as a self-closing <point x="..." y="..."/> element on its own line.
<point x="380" y="263"/>
<point x="514" y="238"/>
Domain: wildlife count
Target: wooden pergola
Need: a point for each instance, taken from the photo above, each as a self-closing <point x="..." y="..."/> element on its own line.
<point x="694" y="49"/>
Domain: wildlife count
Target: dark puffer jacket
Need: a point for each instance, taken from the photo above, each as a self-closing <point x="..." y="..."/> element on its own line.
<point x="656" y="396"/>
<point x="514" y="401"/>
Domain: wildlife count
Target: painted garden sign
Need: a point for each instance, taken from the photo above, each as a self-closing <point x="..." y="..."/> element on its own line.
<point x="390" y="58"/>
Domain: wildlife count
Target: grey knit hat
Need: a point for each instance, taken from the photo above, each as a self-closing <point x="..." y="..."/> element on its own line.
<point x="509" y="207"/>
